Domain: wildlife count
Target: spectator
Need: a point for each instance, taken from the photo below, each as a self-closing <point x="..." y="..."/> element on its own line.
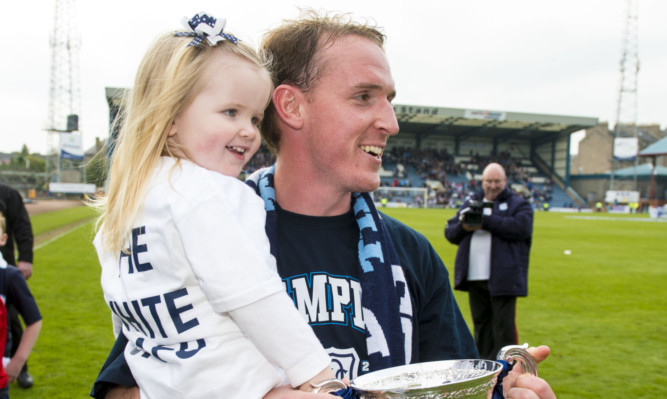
<point x="19" y="230"/>
<point x="492" y="260"/>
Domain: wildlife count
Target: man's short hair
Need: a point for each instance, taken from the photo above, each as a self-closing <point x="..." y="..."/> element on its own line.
<point x="293" y="49"/>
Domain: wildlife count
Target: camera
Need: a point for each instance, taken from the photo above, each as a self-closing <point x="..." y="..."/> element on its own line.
<point x="472" y="214"/>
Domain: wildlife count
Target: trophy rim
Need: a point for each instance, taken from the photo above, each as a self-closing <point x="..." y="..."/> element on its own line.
<point x="367" y="383"/>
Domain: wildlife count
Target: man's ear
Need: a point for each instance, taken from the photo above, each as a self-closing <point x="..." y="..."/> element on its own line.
<point x="288" y="101"/>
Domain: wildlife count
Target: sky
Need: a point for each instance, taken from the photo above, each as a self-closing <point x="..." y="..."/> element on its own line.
<point x="548" y="57"/>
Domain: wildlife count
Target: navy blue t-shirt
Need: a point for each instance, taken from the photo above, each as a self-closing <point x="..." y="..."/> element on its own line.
<point x="14" y="291"/>
<point x="319" y="264"/>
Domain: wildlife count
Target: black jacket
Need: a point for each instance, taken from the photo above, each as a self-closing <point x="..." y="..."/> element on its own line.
<point x="18" y="227"/>
<point x="511" y="228"/>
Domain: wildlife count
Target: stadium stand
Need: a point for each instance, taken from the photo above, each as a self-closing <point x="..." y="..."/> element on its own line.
<point x="451" y="146"/>
<point x="451" y="178"/>
<point x="445" y="148"/>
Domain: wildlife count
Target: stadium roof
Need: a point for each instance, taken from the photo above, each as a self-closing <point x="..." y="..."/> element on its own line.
<point x="657" y="148"/>
<point x="642" y="170"/>
<point x="463" y="124"/>
<point x="470" y="123"/>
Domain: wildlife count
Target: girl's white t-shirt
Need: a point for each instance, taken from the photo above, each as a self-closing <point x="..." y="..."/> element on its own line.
<point x="198" y="251"/>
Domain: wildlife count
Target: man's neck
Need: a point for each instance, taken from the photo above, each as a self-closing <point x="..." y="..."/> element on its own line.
<point x="306" y="195"/>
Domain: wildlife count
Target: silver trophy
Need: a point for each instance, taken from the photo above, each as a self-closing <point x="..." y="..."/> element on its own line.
<point x="460" y="379"/>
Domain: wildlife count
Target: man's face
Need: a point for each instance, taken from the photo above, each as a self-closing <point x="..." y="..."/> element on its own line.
<point x="349" y="116"/>
<point x="493" y="182"/>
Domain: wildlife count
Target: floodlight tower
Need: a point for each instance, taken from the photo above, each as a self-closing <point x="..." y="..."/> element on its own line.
<point x="64" y="91"/>
<point x="626" y="107"/>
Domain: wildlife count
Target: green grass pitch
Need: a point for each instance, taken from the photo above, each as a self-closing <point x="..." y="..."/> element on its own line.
<point x="602" y="309"/>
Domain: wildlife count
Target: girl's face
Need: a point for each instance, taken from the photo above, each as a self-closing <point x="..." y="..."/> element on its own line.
<point x="219" y="129"/>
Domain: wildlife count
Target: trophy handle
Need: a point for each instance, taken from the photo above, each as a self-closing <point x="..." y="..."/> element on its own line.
<point x="328" y="386"/>
<point x="514" y="353"/>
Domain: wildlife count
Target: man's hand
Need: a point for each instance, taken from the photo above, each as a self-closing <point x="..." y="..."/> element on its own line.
<point x="469" y="228"/>
<point x="518" y="385"/>
<point x="25" y="268"/>
<point x="282" y="392"/>
<point x="287" y="392"/>
<point x="121" y="392"/>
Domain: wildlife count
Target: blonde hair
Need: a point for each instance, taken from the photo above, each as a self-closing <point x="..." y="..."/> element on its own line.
<point x="167" y="81"/>
<point x="3" y="224"/>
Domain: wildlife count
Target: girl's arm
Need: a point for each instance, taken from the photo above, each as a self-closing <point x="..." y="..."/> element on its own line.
<point x="279" y="331"/>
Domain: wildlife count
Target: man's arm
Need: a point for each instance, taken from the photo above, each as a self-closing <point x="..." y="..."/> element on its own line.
<point x="443" y="333"/>
<point x="454" y="229"/>
<point x="440" y="332"/>
<point x="284" y="392"/>
<point x="121" y="392"/>
<point x="515" y="227"/>
<point x="115" y="373"/>
<point x="19" y="221"/>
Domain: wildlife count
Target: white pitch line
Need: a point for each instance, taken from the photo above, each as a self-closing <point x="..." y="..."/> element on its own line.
<point x="654" y="220"/>
<point x="47" y="242"/>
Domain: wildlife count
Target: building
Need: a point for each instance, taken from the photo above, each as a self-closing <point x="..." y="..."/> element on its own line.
<point x="592" y="166"/>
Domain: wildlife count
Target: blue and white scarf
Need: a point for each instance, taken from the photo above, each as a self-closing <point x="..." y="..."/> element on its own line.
<point x="384" y="294"/>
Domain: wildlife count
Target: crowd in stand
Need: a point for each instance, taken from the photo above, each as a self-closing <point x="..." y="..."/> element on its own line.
<point x="439" y="168"/>
<point x="261" y="159"/>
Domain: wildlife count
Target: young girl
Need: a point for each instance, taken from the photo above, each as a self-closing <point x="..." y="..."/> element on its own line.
<point x="186" y="264"/>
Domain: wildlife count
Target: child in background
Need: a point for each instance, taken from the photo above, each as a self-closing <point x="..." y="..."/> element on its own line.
<point x="186" y="263"/>
<point x="14" y="291"/>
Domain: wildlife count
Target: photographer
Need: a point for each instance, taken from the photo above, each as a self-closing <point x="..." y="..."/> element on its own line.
<point x="493" y="230"/>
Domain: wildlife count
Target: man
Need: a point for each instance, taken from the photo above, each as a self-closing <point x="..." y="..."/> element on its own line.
<point x="19" y="230"/>
<point x="329" y="123"/>
<point x="492" y="259"/>
<point x="19" y="236"/>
